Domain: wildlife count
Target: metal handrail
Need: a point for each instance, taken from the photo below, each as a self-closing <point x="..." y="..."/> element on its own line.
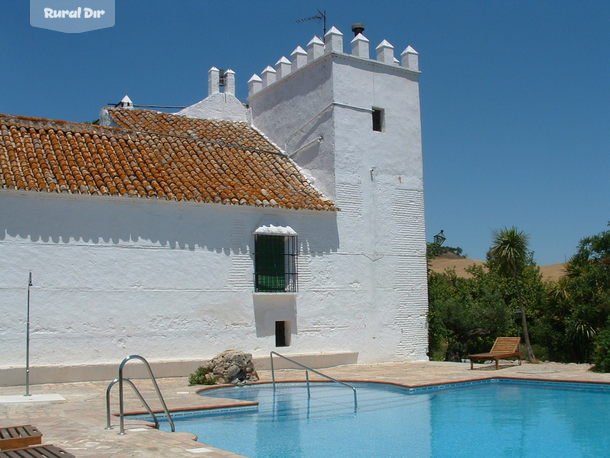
<point x="144" y="403"/>
<point x="154" y="380"/>
<point x="307" y="368"/>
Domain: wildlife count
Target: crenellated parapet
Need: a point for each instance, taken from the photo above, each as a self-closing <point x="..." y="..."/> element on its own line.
<point x="299" y="58"/>
<point x="283" y="67"/>
<point x="333" y="43"/>
<point x="360" y="46"/>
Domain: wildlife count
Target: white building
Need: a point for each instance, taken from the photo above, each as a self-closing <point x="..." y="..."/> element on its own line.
<point x="295" y="224"/>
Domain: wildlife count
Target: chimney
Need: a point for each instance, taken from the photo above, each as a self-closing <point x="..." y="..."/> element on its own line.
<point x="125" y="102"/>
<point x="357" y="28"/>
<point x="230" y="82"/>
<point x="213" y="81"/>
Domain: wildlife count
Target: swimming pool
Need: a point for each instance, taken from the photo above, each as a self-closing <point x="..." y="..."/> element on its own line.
<point x="497" y="417"/>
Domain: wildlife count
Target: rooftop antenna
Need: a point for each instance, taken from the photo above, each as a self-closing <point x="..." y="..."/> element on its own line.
<point x="320" y="16"/>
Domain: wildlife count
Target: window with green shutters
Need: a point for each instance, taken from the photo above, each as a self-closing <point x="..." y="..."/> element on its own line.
<point x="275" y="263"/>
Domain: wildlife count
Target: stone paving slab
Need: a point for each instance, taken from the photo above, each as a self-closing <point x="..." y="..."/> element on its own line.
<point x="31" y="398"/>
<point x="77" y="423"/>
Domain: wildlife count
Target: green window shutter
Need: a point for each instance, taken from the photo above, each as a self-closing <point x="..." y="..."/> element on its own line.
<point x="270" y="263"/>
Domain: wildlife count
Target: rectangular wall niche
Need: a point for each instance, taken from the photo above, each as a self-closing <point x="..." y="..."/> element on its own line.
<point x="378" y="119"/>
<point x="282" y="333"/>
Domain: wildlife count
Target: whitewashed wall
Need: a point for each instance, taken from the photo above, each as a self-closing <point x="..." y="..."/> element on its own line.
<point x="168" y="280"/>
<point x="377" y="181"/>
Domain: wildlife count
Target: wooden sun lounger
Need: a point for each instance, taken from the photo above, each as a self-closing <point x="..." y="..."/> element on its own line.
<point x="19" y="436"/>
<point x="504" y="347"/>
<point x="38" y="451"/>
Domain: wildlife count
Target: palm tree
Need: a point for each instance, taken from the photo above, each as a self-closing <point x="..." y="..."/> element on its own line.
<point x="509" y="255"/>
<point x="509" y="251"/>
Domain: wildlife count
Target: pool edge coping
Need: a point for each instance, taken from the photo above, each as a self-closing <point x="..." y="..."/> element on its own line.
<point x="237" y="405"/>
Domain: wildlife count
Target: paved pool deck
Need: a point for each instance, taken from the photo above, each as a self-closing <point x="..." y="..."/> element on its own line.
<point x="77" y="423"/>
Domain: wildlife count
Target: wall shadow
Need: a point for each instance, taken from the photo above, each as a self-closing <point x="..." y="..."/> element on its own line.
<point x="120" y="222"/>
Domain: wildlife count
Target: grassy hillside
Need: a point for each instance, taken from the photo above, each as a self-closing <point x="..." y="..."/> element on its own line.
<point x="459" y="264"/>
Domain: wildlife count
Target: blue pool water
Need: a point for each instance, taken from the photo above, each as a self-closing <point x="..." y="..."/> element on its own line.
<point x="485" y="418"/>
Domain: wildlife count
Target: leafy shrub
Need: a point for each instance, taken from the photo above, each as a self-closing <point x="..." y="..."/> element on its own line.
<point x="601" y="355"/>
<point x="202" y="376"/>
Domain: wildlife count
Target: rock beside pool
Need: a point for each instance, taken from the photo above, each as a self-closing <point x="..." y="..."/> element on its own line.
<point x="232" y="366"/>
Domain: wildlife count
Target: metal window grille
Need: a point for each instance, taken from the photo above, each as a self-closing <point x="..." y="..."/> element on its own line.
<point x="275" y="263"/>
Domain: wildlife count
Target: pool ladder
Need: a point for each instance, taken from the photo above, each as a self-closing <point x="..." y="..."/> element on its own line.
<point x="120" y="381"/>
<point x="307" y="369"/>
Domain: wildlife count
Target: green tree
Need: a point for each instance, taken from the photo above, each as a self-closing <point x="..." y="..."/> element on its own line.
<point x="508" y="256"/>
<point x="579" y="304"/>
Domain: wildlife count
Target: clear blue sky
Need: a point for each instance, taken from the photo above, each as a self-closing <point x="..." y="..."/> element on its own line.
<point x="515" y="93"/>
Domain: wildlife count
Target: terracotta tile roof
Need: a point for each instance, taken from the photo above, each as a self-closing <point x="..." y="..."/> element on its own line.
<point x="219" y="161"/>
<point x="224" y="131"/>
